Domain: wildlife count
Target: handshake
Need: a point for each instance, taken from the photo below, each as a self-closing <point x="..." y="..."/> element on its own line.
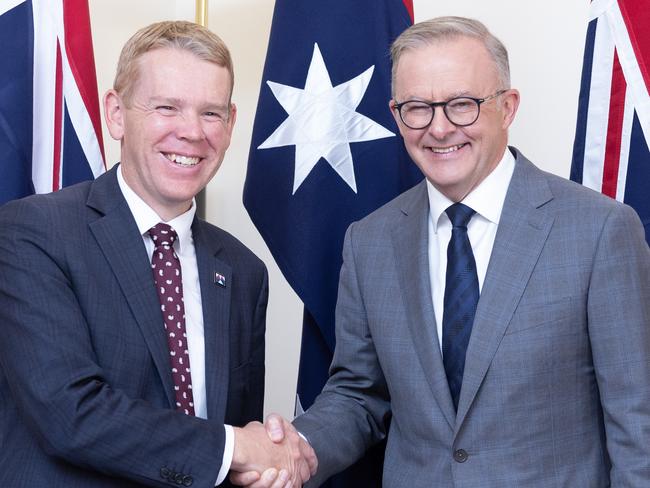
<point x="272" y="455"/>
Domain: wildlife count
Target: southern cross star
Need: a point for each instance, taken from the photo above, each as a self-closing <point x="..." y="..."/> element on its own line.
<point x="323" y="121"/>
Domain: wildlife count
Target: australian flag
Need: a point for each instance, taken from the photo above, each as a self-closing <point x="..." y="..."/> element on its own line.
<point x="611" y="153"/>
<point x="325" y="152"/>
<point x="50" y="132"/>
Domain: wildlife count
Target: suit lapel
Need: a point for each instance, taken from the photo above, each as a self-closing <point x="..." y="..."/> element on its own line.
<point x="119" y="239"/>
<point x="215" y="298"/>
<point x="522" y="232"/>
<point x="410" y="240"/>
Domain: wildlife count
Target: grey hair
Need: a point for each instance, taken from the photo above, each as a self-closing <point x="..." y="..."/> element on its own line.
<point x="441" y="29"/>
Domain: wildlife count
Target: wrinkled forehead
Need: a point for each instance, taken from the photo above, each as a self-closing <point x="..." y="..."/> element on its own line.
<point x="456" y="64"/>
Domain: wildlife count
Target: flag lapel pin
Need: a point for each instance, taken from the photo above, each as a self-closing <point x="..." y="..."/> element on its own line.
<point x="220" y="279"/>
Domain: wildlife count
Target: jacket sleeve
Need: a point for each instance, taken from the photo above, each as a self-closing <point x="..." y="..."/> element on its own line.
<point x="351" y="413"/>
<point x="618" y="311"/>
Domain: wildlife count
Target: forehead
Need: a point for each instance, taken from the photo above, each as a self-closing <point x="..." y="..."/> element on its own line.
<point x="456" y="66"/>
<point x="178" y="73"/>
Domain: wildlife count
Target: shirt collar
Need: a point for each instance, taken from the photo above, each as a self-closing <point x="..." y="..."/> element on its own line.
<point x="146" y="217"/>
<point x="486" y="199"/>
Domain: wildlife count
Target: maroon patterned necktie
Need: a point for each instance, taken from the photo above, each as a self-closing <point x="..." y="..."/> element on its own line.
<point x="167" y="277"/>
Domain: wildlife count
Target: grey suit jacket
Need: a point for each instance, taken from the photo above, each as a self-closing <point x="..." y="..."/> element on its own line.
<point x="86" y="394"/>
<point x="556" y="391"/>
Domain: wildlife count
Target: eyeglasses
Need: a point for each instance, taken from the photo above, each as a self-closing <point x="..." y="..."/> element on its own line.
<point x="460" y="111"/>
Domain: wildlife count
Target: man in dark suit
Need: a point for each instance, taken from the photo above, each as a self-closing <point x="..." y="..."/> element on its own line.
<point x="498" y="314"/>
<point x="132" y="346"/>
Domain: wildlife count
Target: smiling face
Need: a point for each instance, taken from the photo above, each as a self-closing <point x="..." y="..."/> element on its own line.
<point x="454" y="159"/>
<point x="174" y="129"/>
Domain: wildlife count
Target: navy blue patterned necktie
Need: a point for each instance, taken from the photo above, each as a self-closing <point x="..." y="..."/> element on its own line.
<point x="461" y="298"/>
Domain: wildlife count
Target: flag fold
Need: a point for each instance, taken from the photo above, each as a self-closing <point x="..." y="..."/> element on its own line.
<point x="50" y="132"/>
<point x="610" y="153"/>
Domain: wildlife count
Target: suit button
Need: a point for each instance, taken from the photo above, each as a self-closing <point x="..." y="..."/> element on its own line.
<point x="178" y="479"/>
<point x="188" y="480"/>
<point x="164" y="473"/>
<point x="460" y="455"/>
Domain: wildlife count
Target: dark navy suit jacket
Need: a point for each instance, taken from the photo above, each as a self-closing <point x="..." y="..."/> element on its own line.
<point x="86" y="394"/>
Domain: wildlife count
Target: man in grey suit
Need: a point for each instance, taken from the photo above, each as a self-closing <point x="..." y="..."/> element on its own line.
<point x="542" y="380"/>
<point x="114" y="374"/>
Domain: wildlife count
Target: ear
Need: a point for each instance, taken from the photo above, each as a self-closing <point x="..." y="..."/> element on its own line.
<point x="114" y="114"/>
<point x="232" y="118"/>
<point x="509" y="106"/>
<point x="395" y="114"/>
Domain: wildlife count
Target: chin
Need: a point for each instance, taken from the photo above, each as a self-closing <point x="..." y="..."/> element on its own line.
<point x="444" y="178"/>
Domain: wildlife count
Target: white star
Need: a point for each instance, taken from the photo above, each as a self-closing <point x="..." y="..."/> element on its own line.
<point x="323" y="121"/>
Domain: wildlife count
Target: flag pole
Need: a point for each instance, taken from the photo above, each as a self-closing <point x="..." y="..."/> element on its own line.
<point x="202" y="12"/>
<point x="201" y="18"/>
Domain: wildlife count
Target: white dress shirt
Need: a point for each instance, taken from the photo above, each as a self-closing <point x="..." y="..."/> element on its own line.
<point x="145" y="218"/>
<point x="487" y="200"/>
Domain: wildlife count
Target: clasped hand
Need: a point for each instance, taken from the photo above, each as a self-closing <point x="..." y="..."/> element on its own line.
<point x="272" y="455"/>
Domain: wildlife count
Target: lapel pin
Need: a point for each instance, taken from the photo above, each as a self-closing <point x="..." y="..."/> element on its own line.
<point x="220" y="279"/>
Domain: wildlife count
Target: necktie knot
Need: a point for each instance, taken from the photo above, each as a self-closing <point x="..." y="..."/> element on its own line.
<point x="163" y="235"/>
<point x="459" y="214"/>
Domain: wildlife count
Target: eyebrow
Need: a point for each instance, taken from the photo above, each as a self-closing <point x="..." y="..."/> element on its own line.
<point x="462" y="93"/>
<point x="165" y="100"/>
<point x="179" y="102"/>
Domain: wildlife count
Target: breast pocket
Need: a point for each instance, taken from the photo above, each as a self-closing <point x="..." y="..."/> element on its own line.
<point x="562" y="315"/>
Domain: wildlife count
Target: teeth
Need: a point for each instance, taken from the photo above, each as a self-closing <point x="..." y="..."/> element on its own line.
<point x="445" y="150"/>
<point x="183" y="160"/>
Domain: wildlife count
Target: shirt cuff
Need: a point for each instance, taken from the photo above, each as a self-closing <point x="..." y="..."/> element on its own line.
<point x="228" y="451"/>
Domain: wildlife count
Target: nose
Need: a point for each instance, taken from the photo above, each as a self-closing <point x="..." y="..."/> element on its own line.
<point x="190" y="127"/>
<point x="440" y="126"/>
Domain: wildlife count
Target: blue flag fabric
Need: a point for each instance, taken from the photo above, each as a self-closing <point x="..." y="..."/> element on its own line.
<point x="15" y="116"/>
<point x="610" y="153"/>
<point x="325" y="152"/>
<point x="50" y="133"/>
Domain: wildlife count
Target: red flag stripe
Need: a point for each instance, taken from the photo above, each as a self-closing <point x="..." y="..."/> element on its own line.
<point x="636" y="16"/>
<point x="79" y="50"/>
<point x="409" y="7"/>
<point x="614" y="127"/>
